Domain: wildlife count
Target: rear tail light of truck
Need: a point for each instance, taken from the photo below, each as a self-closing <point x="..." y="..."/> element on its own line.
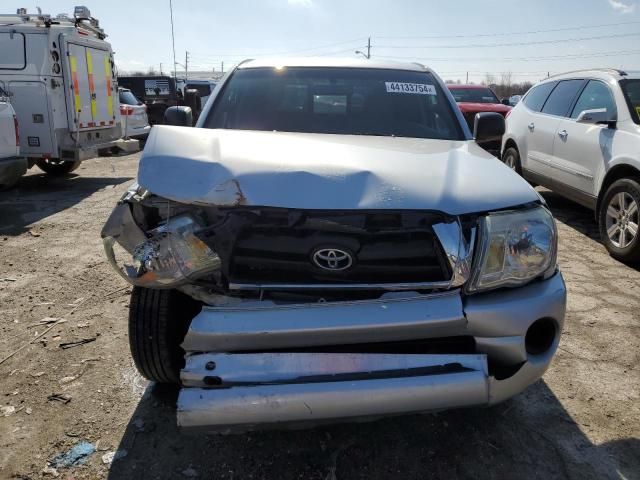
<point x="15" y="124"/>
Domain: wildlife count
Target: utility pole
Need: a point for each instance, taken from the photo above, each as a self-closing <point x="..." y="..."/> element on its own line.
<point x="222" y="66"/>
<point x="161" y="69"/>
<point x="173" y="42"/>
<point x="467" y="82"/>
<point x="186" y="65"/>
<point x="368" y="54"/>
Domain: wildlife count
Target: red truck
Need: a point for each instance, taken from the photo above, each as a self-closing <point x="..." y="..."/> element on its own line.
<point x="474" y="99"/>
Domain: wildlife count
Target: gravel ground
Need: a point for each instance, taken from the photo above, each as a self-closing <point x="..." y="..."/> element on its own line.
<point x="581" y="421"/>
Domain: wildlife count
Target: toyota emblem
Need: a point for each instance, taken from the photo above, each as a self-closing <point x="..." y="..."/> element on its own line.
<point x="332" y="259"/>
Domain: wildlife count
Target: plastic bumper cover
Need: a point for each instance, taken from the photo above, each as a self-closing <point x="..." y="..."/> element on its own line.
<point x="227" y="391"/>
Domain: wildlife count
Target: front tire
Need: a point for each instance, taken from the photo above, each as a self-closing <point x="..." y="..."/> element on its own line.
<point x="158" y="322"/>
<point x="511" y="159"/>
<point x="57" y="167"/>
<point x="618" y="219"/>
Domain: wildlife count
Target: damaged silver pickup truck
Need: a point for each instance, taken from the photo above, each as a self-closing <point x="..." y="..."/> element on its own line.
<point x="330" y="242"/>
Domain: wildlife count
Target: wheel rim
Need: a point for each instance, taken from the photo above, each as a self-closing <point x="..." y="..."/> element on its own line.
<point x="622" y="219"/>
<point x="510" y="161"/>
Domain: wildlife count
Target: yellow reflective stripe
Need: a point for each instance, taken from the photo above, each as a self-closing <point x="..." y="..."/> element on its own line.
<point x="74" y="80"/>
<point x="107" y="73"/>
<point x="92" y="90"/>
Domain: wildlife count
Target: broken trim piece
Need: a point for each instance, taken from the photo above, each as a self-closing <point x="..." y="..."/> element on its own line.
<point x="273" y="368"/>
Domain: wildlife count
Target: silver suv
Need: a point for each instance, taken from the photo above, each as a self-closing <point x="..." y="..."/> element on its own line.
<point x="579" y="135"/>
<point x="330" y="242"/>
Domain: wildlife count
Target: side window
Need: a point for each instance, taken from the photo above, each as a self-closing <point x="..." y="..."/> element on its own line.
<point x="595" y="95"/>
<point x="538" y="95"/>
<point x="12" y="51"/>
<point x="561" y="98"/>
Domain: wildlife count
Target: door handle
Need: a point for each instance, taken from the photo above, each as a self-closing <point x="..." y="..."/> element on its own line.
<point x="531" y="126"/>
<point x="563" y="134"/>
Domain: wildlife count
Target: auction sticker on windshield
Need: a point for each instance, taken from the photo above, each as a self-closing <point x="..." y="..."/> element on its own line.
<point x="417" y="88"/>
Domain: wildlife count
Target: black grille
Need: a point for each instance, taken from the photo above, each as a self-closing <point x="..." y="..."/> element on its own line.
<point x="276" y="246"/>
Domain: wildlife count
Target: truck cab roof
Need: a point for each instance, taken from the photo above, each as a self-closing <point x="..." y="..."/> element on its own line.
<point x="283" y="62"/>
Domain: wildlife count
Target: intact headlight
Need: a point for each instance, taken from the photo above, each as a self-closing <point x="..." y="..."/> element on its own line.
<point x="514" y="247"/>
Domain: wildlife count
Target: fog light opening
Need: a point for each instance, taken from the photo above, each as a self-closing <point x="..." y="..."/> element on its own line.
<point x="540" y="336"/>
<point x="211" y="381"/>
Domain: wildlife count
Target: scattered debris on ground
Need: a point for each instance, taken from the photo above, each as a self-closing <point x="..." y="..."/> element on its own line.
<point x="77" y="343"/>
<point x="59" y="397"/>
<point x="77" y="455"/>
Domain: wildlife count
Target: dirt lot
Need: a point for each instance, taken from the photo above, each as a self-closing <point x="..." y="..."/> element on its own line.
<point x="581" y="421"/>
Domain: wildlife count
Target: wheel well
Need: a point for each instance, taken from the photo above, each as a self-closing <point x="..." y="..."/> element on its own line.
<point x="616" y="173"/>
<point x="510" y="143"/>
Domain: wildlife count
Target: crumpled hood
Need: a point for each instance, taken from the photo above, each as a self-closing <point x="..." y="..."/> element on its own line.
<point x="318" y="171"/>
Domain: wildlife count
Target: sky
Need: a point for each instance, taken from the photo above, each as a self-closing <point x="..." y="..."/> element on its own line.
<point x="529" y="38"/>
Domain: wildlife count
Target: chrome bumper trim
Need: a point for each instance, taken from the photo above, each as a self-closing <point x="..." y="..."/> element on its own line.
<point x="302" y="325"/>
<point x="243" y="408"/>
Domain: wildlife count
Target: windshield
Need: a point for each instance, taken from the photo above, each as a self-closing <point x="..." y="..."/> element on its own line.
<point x="351" y="101"/>
<point x="128" y="98"/>
<point x="474" y="95"/>
<point x="631" y="89"/>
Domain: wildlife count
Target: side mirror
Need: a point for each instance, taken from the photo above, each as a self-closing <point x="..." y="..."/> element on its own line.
<point x="505" y="101"/>
<point x="488" y="127"/>
<point x="596" y="115"/>
<point x="179" y="116"/>
<point x="193" y="100"/>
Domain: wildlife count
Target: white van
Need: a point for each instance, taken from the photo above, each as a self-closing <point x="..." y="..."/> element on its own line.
<point x="59" y="75"/>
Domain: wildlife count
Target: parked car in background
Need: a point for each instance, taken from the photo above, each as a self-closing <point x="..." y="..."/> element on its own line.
<point x="330" y="242"/>
<point x="157" y="92"/>
<point x="514" y="99"/>
<point x="578" y="134"/>
<point x="473" y="99"/>
<point x="135" y="123"/>
<point x="59" y="73"/>
<point x="204" y="88"/>
<point x="12" y="165"/>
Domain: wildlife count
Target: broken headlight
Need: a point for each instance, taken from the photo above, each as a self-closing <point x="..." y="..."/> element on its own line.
<point x="167" y="256"/>
<point x="514" y="248"/>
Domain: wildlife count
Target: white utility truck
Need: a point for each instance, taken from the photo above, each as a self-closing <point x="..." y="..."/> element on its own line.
<point x="59" y="75"/>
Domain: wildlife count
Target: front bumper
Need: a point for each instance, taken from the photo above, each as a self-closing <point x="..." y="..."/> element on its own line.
<point x="139" y="132"/>
<point x="254" y="365"/>
<point x="11" y="169"/>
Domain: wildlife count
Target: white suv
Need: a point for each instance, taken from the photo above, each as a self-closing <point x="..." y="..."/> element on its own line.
<point x="579" y="134"/>
<point x="12" y="165"/>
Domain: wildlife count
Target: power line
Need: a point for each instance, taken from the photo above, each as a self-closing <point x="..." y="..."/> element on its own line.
<point x="498" y="59"/>
<point x="246" y="55"/>
<point x="513" y="44"/>
<point x="512" y="33"/>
